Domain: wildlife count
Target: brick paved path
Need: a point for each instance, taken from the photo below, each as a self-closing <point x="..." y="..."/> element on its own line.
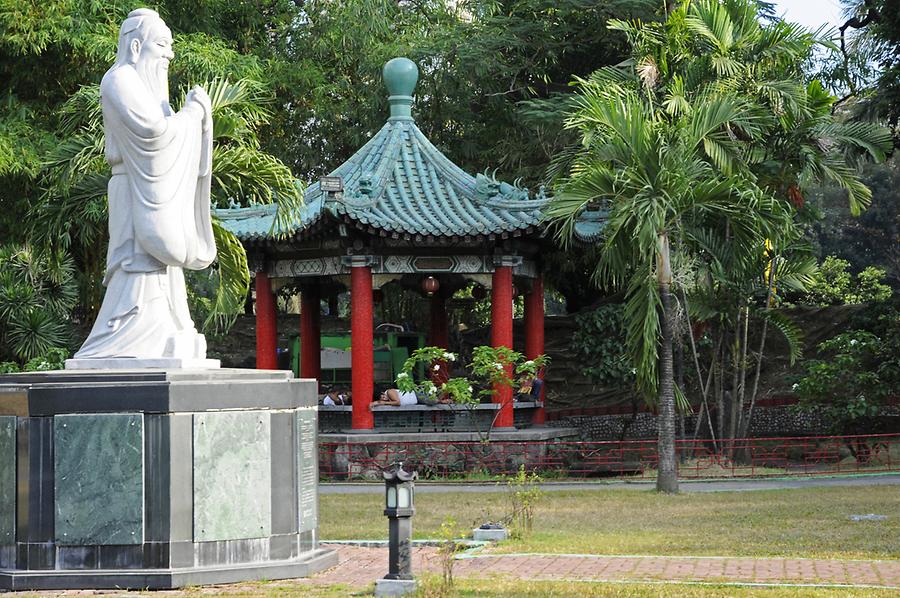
<point x="360" y="566"/>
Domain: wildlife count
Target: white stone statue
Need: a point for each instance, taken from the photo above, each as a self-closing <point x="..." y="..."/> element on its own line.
<point x="159" y="208"/>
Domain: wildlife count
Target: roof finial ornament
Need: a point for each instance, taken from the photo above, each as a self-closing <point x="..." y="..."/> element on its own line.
<point x="400" y="77"/>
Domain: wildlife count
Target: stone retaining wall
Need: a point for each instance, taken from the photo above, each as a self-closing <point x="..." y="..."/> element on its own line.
<point x="767" y="422"/>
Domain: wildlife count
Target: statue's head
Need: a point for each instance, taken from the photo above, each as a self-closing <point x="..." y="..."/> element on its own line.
<point x="145" y="42"/>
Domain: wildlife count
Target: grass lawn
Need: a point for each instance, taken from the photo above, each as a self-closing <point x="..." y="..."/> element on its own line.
<point x="543" y="589"/>
<point x="811" y="522"/>
<point x="505" y="587"/>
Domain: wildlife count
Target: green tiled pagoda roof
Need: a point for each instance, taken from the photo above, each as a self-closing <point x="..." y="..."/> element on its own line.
<point x="590" y="224"/>
<point x="399" y="184"/>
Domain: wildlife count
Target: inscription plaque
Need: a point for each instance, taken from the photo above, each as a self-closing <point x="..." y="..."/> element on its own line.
<point x="307" y="469"/>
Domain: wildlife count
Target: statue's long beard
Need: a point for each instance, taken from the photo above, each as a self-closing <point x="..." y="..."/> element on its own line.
<point x="155" y="76"/>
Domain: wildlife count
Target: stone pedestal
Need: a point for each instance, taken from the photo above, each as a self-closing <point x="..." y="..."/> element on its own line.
<point x="395" y="587"/>
<point x="157" y="479"/>
<point x="490" y="534"/>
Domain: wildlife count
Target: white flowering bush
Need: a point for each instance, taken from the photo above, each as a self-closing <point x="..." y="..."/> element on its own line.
<point x="849" y="384"/>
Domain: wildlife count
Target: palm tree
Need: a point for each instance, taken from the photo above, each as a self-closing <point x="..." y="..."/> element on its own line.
<point x="658" y="174"/>
<point x="677" y="145"/>
<point x="72" y="213"/>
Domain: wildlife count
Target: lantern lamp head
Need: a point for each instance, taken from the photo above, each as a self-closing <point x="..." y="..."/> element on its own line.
<point x="430" y="285"/>
<point x="399" y="486"/>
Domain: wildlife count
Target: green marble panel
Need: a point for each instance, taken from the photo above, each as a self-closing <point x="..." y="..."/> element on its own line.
<point x="232" y="475"/>
<point x="307" y="469"/>
<point x="99" y="478"/>
<point x="7" y="479"/>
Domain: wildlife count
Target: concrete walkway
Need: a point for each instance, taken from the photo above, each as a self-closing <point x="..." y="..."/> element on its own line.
<point x="361" y="566"/>
<point x="732" y="485"/>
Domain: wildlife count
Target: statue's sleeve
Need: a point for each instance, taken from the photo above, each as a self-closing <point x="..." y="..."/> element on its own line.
<point x="163" y="155"/>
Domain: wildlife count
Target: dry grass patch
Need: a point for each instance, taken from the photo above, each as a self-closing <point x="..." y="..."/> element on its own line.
<point x="812" y="522"/>
<point x="524" y="589"/>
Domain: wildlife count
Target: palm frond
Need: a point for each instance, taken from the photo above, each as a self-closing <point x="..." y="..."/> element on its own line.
<point x="233" y="282"/>
<point x="792" y="333"/>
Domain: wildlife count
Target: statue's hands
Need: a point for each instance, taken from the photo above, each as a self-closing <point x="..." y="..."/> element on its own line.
<point x="199" y="95"/>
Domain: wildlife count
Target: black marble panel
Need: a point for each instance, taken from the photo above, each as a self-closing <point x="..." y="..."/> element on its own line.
<point x="156" y="555"/>
<point x="78" y="557"/>
<point x="98" y="398"/>
<point x="122" y="557"/>
<point x="35" y="495"/>
<point x="181" y="477"/>
<point x="7" y="480"/>
<point x="35" y="556"/>
<point x="55" y="393"/>
<point x="157" y="511"/>
<point x="8" y="556"/>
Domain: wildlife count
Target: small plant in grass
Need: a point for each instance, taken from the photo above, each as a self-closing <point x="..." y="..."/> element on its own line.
<point x="448" y="534"/>
<point x="524" y="495"/>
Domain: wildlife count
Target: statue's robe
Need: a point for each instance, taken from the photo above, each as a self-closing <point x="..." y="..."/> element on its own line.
<point x="159" y="222"/>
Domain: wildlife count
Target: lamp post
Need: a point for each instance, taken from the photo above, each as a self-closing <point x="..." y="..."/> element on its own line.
<point x="399" y="507"/>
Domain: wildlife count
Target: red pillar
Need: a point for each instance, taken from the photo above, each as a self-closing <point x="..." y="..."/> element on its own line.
<point x="534" y="335"/>
<point x="266" y="324"/>
<point x="439" y="336"/>
<point x="502" y="335"/>
<point x="362" y="353"/>
<point x="310" y="333"/>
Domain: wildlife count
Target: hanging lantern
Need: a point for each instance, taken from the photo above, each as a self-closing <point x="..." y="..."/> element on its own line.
<point x="377" y="296"/>
<point x="430" y="285"/>
<point x="479" y="292"/>
<point x="515" y="291"/>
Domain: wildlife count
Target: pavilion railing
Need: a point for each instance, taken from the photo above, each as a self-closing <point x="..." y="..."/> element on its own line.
<point x="632" y="459"/>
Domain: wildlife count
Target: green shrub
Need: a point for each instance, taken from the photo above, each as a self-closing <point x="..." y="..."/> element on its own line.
<point x="37" y="294"/>
<point x="834" y="285"/>
<point x="599" y="342"/>
<point x="849" y="384"/>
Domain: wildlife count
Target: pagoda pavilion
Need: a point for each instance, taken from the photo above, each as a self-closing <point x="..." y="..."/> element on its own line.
<point x="398" y="211"/>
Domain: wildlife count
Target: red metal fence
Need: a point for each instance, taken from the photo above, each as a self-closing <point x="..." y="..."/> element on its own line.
<point x="747" y="457"/>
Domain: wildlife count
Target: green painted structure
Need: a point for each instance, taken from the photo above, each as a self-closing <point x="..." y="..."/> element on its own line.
<point x="392" y="349"/>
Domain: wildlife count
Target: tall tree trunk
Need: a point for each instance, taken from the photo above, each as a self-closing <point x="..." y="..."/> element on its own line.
<point x="770" y="294"/>
<point x="679" y="381"/>
<point x="735" y="381"/>
<point x="667" y="478"/>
